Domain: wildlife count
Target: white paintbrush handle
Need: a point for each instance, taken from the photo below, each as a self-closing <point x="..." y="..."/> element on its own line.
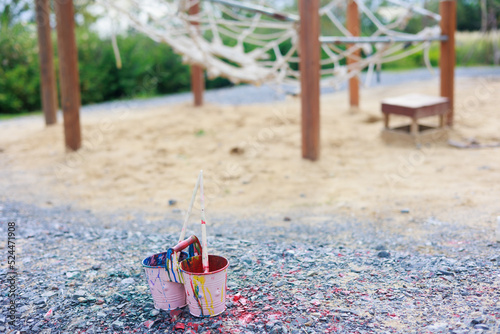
<point x="204" y="252"/>
<point x="188" y="213"/>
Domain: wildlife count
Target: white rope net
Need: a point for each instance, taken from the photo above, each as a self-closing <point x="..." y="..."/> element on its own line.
<point x="248" y="41"/>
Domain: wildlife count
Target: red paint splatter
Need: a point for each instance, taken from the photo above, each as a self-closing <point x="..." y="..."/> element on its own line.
<point x="148" y="324"/>
<point x="179" y="325"/>
<point x="175" y="313"/>
<point x="194" y="326"/>
<point x="275" y="315"/>
<point x="48" y="314"/>
<point x="245" y="318"/>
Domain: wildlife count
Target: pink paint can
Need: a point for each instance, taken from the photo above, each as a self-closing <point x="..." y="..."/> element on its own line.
<point x="206" y="292"/>
<point x="167" y="295"/>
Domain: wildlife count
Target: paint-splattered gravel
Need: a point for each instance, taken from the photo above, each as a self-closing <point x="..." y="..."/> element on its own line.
<point x="81" y="273"/>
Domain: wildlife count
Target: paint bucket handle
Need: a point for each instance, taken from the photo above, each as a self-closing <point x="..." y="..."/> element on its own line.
<point x="173" y="253"/>
<point x="192" y="240"/>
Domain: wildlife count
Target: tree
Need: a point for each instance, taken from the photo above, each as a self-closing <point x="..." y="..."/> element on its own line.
<point x="484" y="16"/>
<point x="11" y="11"/>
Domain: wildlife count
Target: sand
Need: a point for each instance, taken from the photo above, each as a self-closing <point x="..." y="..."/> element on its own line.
<point x="251" y="156"/>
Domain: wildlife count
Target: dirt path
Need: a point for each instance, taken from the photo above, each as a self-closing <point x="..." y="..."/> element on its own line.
<point x="251" y="158"/>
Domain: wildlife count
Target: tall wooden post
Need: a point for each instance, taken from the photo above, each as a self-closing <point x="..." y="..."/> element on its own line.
<point x="46" y="56"/>
<point x="353" y="25"/>
<point x="68" y="67"/>
<point x="197" y="78"/>
<point x="448" y="11"/>
<point x="310" y="77"/>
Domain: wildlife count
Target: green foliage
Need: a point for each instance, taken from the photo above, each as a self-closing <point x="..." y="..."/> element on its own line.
<point x="149" y="69"/>
<point x="11" y="10"/>
<point x="475" y="48"/>
<point x="415" y="60"/>
<point x="472" y="49"/>
<point x="19" y="70"/>
<point x="468" y="15"/>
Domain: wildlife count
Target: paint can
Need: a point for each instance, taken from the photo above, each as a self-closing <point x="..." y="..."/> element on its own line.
<point x="167" y="291"/>
<point x="206" y="292"/>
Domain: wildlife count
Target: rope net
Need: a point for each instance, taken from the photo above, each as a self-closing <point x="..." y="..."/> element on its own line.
<point x="252" y="43"/>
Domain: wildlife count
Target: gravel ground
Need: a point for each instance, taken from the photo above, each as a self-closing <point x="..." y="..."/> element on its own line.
<point x="80" y="272"/>
<point x="248" y="94"/>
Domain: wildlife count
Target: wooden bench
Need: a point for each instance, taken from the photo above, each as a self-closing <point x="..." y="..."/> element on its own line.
<point x="415" y="106"/>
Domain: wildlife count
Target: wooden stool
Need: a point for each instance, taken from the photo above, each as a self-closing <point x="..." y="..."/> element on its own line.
<point x="415" y="106"/>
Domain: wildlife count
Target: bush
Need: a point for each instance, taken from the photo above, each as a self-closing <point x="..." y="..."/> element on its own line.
<point x="472" y="49"/>
<point x="149" y="69"/>
<point x="19" y="70"/>
<point x="475" y="48"/>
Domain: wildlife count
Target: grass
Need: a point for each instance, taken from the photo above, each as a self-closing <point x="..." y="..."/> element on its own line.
<point x="472" y="49"/>
<point x="4" y="117"/>
<point x="475" y="48"/>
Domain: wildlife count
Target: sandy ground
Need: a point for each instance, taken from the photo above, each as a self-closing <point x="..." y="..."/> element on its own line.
<point x="251" y="155"/>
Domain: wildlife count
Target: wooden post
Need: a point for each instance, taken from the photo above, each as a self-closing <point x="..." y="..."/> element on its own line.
<point x="310" y="77"/>
<point x="197" y="84"/>
<point x="68" y="67"/>
<point x="353" y="25"/>
<point x="46" y="56"/>
<point x="448" y="11"/>
<point x="197" y="78"/>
